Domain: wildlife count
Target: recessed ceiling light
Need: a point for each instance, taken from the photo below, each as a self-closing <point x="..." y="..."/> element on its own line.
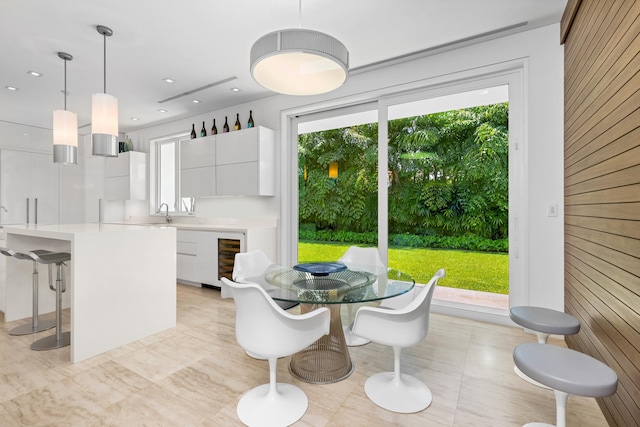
<point x="235" y="89"/>
<point x="11" y="88"/>
<point x="135" y="119"/>
<point x="34" y="73"/>
<point x="195" y="101"/>
<point x="162" y="110"/>
<point x="168" y="80"/>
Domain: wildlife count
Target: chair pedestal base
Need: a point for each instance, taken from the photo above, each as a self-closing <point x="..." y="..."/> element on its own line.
<point x="257" y="409"/>
<point x="29" y="329"/>
<point x="51" y="342"/>
<point x="405" y="396"/>
<point x="353" y="340"/>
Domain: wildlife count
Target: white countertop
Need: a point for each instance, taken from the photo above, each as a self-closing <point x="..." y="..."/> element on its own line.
<point x="68" y="231"/>
<point x="198" y="224"/>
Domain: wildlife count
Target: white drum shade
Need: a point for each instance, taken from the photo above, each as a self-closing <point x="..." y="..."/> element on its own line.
<point x="104" y="114"/>
<point x="65" y="128"/>
<point x="299" y="62"/>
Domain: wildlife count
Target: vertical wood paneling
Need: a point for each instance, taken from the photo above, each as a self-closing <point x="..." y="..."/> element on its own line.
<point x="602" y="191"/>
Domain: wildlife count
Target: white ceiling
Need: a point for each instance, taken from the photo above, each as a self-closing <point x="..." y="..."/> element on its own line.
<point x="199" y="42"/>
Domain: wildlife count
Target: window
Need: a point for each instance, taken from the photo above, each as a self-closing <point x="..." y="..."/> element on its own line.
<point x="167" y="176"/>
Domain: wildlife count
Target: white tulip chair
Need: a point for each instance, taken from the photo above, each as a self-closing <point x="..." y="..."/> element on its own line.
<point x="262" y="327"/>
<point x="404" y="327"/>
<point x="357" y="258"/>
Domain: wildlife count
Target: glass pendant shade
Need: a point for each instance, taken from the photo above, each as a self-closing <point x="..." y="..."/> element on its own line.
<point x="65" y="127"/>
<point x="299" y="62"/>
<point x="104" y="124"/>
<point x="65" y="137"/>
<point x="104" y="113"/>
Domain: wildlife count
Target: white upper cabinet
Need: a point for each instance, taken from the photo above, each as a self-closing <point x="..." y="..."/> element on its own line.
<point x="239" y="163"/>
<point x="197" y="153"/>
<point x="197" y="167"/>
<point x="127" y="176"/>
<point x="245" y="163"/>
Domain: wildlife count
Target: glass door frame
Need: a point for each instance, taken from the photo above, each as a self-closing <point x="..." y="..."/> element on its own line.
<point x="512" y="74"/>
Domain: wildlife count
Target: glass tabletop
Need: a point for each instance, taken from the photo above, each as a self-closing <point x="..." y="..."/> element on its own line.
<point x="339" y="287"/>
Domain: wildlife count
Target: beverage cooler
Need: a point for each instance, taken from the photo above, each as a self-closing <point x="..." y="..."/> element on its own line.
<point x="227" y="250"/>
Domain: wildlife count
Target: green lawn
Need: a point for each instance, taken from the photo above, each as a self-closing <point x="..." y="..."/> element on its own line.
<point x="480" y="271"/>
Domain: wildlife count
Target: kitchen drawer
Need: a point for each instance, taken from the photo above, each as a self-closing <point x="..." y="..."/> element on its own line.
<point x="188" y="248"/>
<point x="187" y="236"/>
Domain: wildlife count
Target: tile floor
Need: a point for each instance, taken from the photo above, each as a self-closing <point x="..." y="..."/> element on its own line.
<point x="194" y="374"/>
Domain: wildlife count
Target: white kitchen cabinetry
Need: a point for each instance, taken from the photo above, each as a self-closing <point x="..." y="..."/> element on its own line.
<point x="245" y="163"/>
<point x="28" y="188"/>
<point x="198" y="167"/>
<point x="127" y="176"/>
<point x="239" y="163"/>
<point x="197" y="255"/>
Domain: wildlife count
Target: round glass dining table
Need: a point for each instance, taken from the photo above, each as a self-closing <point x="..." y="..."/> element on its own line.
<point x="329" y="285"/>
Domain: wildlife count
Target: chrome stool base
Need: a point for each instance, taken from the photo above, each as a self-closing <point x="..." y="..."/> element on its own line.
<point x="51" y="342"/>
<point x="29" y="328"/>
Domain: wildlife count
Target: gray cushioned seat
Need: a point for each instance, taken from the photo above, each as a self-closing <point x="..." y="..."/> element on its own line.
<point x="565" y="370"/>
<point x="545" y="320"/>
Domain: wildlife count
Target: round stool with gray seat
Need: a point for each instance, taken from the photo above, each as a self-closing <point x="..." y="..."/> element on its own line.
<point x="544" y="322"/>
<point x="36" y="325"/>
<point x="60" y="339"/>
<point x="565" y="371"/>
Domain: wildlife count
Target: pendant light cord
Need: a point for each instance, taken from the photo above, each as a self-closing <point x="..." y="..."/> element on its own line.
<point x="299" y="13"/>
<point x="104" y="37"/>
<point x="65" y="84"/>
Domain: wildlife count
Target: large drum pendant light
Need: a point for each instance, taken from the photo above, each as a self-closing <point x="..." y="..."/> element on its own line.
<point x="299" y="62"/>
<point x="104" y="113"/>
<point x="65" y="127"/>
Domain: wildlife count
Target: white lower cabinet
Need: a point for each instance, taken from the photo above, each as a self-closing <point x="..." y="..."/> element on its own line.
<point x="198" y="255"/>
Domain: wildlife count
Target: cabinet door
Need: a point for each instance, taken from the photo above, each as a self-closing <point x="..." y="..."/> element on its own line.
<point x="196" y="153"/>
<point x="237" y="147"/>
<point x="118" y="188"/>
<point x="31" y="176"/>
<point x="198" y="182"/>
<point x="44" y="188"/>
<point x="207" y="255"/>
<point x="94" y="185"/>
<point x="118" y="166"/>
<point x="187" y="255"/>
<point x="237" y="179"/>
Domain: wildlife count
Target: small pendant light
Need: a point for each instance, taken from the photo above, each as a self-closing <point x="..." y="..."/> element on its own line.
<point x="65" y="127"/>
<point x="104" y="113"/>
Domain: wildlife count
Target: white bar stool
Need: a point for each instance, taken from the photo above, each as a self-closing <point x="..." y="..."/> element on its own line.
<point x="36" y="325"/>
<point x="60" y="339"/>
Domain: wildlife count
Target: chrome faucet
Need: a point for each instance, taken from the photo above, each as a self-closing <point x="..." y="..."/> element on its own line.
<point x="168" y="218"/>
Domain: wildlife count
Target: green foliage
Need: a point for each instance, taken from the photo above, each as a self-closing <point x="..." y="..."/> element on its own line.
<point x="472" y="243"/>
<point x="448" y="173"/>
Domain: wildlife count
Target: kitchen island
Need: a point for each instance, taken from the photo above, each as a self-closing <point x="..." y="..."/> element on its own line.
<point x="121" y="283"/>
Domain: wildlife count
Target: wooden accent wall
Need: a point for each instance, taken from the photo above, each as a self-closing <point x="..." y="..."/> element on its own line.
<point x="602" y="191"/>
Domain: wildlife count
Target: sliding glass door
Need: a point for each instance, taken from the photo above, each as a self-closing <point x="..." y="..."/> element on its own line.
<point x="432" y="178"/>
